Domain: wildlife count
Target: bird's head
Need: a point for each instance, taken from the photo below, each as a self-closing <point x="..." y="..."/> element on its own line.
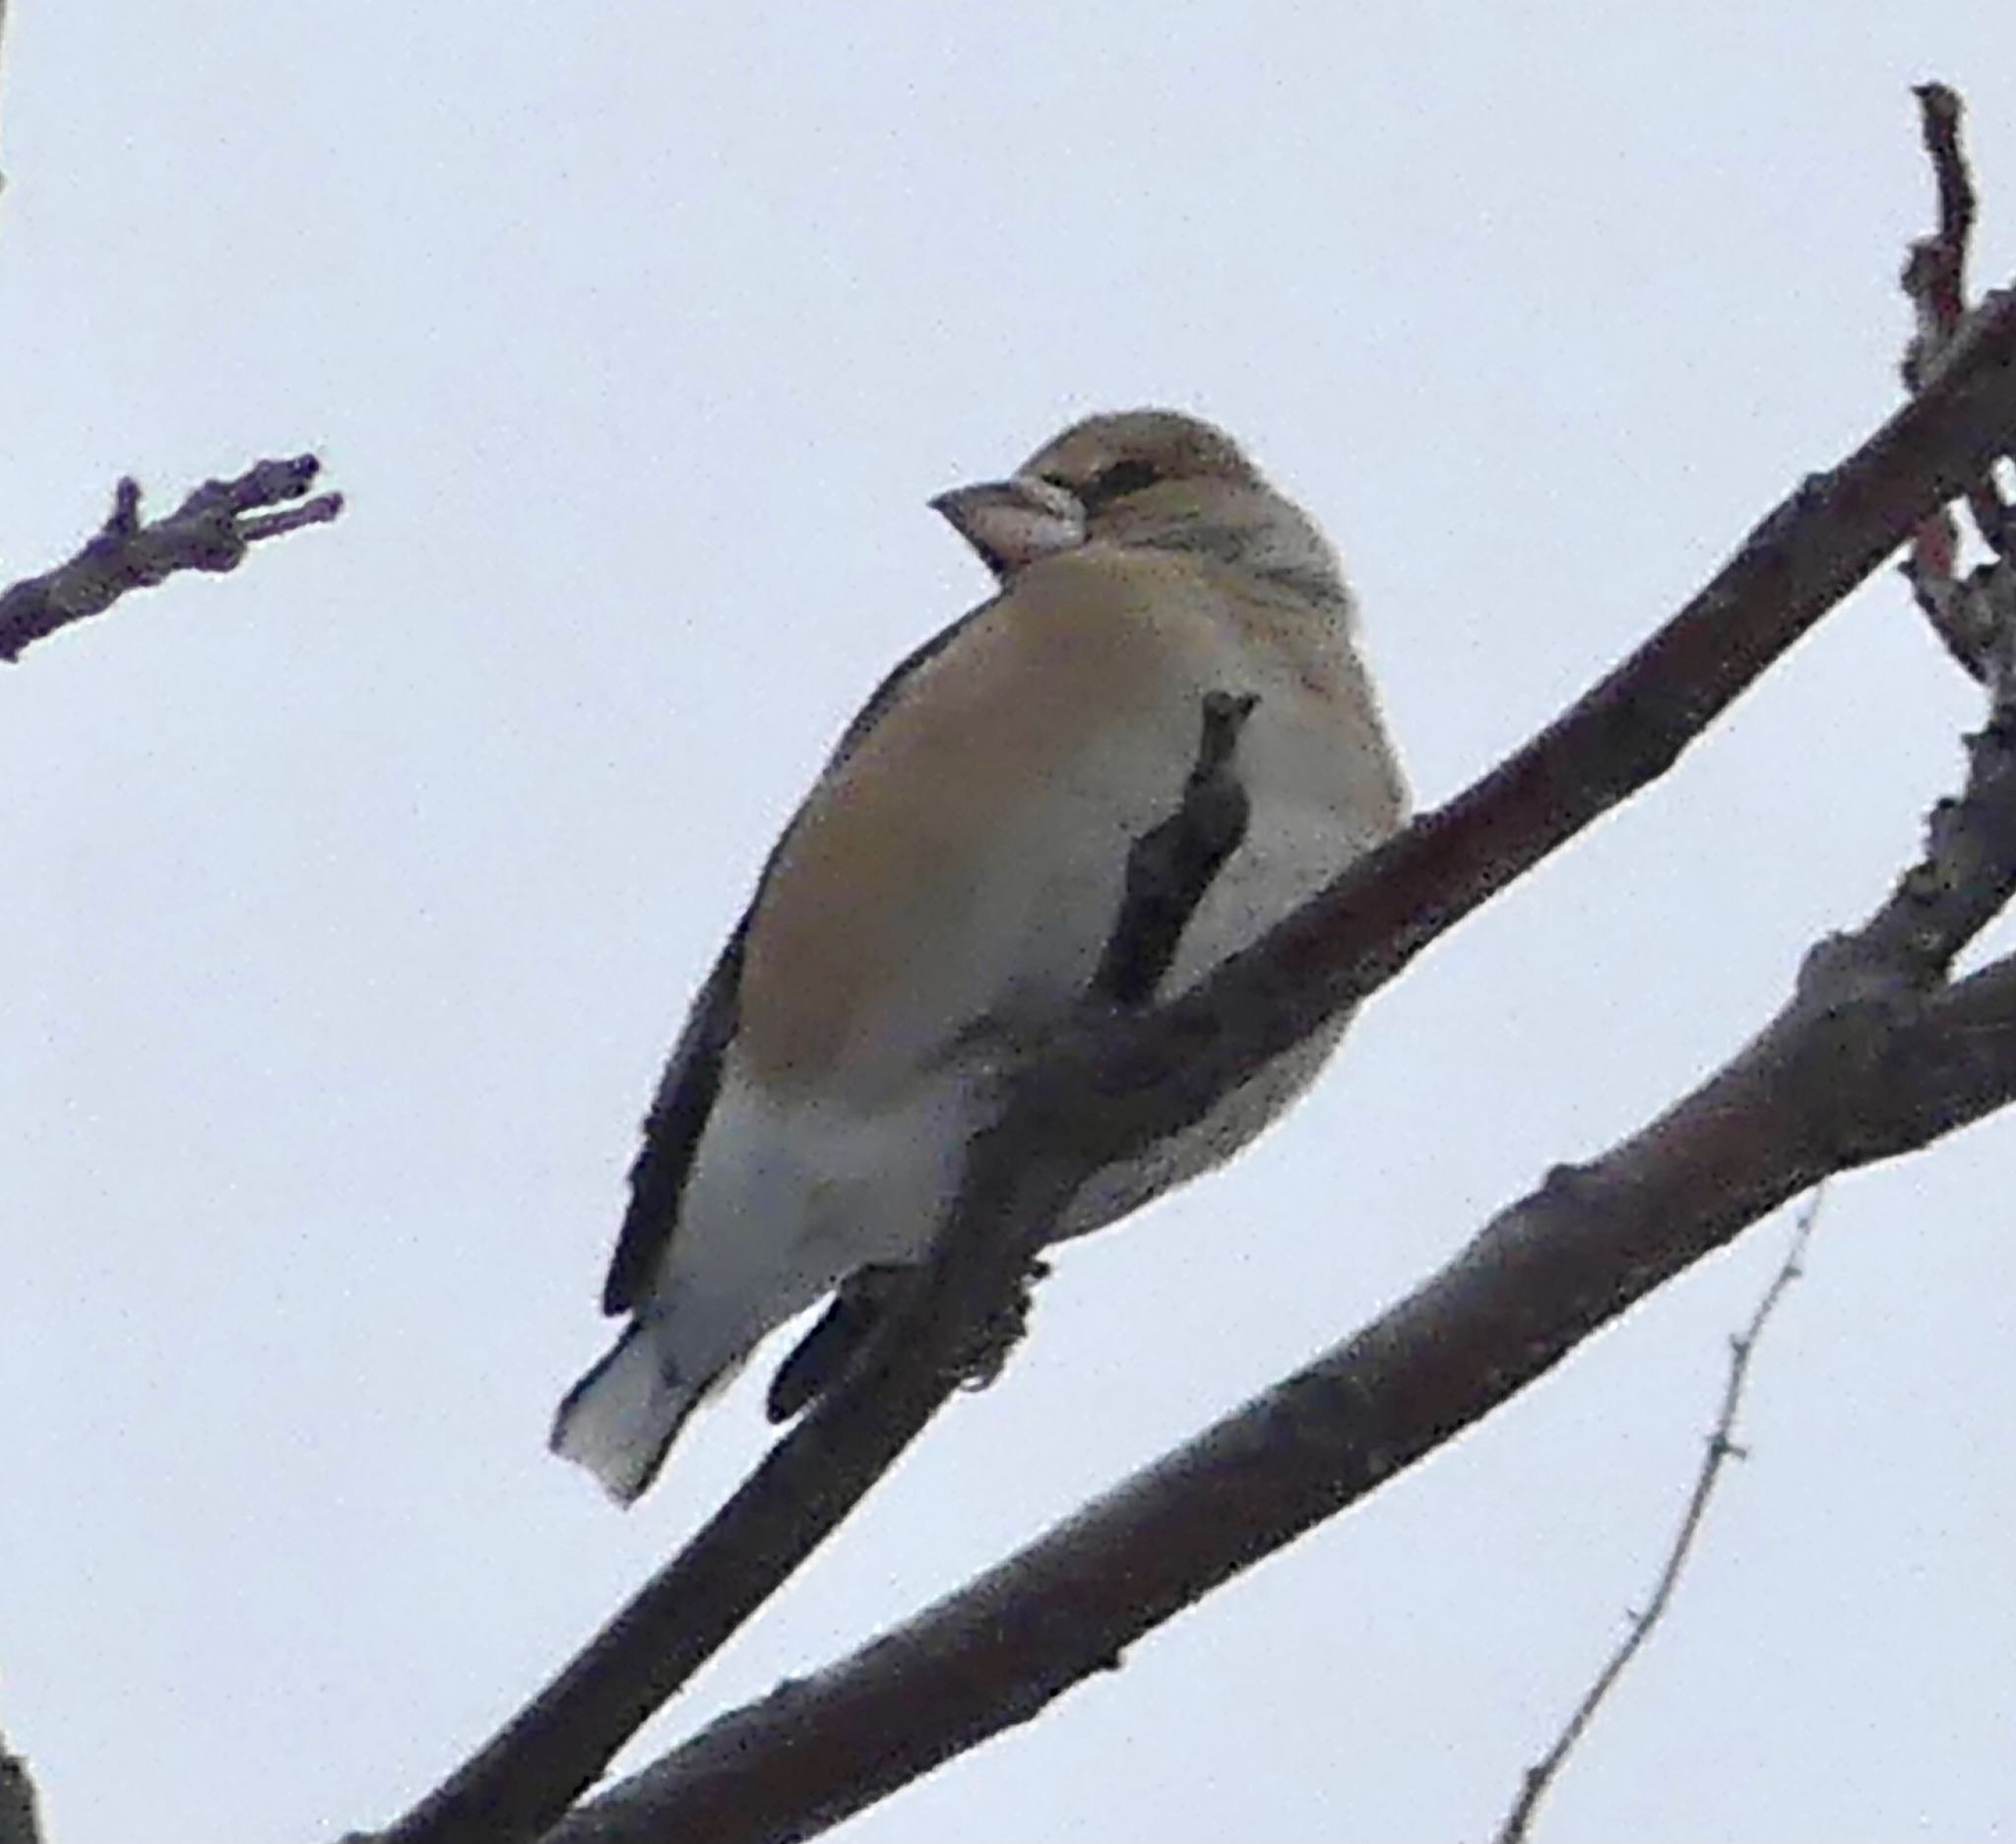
<point x="1153" y="479"/>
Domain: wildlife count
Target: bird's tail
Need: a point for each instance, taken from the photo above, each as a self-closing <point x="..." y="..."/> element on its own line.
<point x="622" y="1416"/>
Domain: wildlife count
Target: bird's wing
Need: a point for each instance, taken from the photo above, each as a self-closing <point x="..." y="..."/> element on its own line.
<point x="672" y="1128"/>
<point x="959" y="865"/>
<point x="960" y="869"/>
<point x="686" y="1091"/>
<point x="1169" y="872"/>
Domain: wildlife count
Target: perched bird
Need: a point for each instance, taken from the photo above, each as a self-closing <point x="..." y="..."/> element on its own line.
<point x="1151" y="745"/>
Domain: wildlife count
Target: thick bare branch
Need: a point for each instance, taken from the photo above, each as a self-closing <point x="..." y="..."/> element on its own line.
<point x="209" y="531"/>
<point x="1121" y="1082"/>
<point x="1722" y="1447"/>
<point x="1854" y="1070"/>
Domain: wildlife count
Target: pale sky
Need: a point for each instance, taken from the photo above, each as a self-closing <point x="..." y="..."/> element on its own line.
<point x="350" y="903"/>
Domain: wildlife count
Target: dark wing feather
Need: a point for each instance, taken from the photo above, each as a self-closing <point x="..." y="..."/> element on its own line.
<point x="672" y="1128"/>
<point x="686" y="1091"/>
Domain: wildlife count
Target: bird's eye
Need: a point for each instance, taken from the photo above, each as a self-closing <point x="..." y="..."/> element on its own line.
<point x="1118" y="480"/>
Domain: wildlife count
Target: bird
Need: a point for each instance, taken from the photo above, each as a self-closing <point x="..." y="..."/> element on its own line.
<point x="1155" y="739"/>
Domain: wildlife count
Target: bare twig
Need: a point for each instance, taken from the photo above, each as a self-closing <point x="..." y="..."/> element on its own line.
<point x="1721" y="1449"/>
<point x="1954" y="609"/>
<point x="209" y="531"/>
<point x="1935" y="268"/>
<point x="1934" y="281"/>
<point x="20" y="1823"/>
<point x="1107" y="1091"/>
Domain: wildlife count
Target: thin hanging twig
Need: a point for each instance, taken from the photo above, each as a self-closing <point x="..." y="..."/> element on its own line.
<point x="1721" y="1449"/>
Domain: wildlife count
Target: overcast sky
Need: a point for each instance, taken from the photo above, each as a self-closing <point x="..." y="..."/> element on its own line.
<point x="349" y="904"/>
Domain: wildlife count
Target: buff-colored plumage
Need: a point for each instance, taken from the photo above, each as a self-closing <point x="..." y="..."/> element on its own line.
<point x="948" y="888"/>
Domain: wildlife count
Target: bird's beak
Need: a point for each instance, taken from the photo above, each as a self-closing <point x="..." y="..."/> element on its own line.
<point x="1013" y="522"/>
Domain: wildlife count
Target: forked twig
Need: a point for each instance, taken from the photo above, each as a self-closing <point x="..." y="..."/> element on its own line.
<point x="210" y="531"/>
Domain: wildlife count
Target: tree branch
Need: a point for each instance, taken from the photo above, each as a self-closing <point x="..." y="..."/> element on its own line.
<point x="210" y="530"/>
<point x="1960" y="1064"/>
<point x="1121" y="1082"/>
<point x="1861" y="1065"/>
<point x="1721" y="1449"/>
